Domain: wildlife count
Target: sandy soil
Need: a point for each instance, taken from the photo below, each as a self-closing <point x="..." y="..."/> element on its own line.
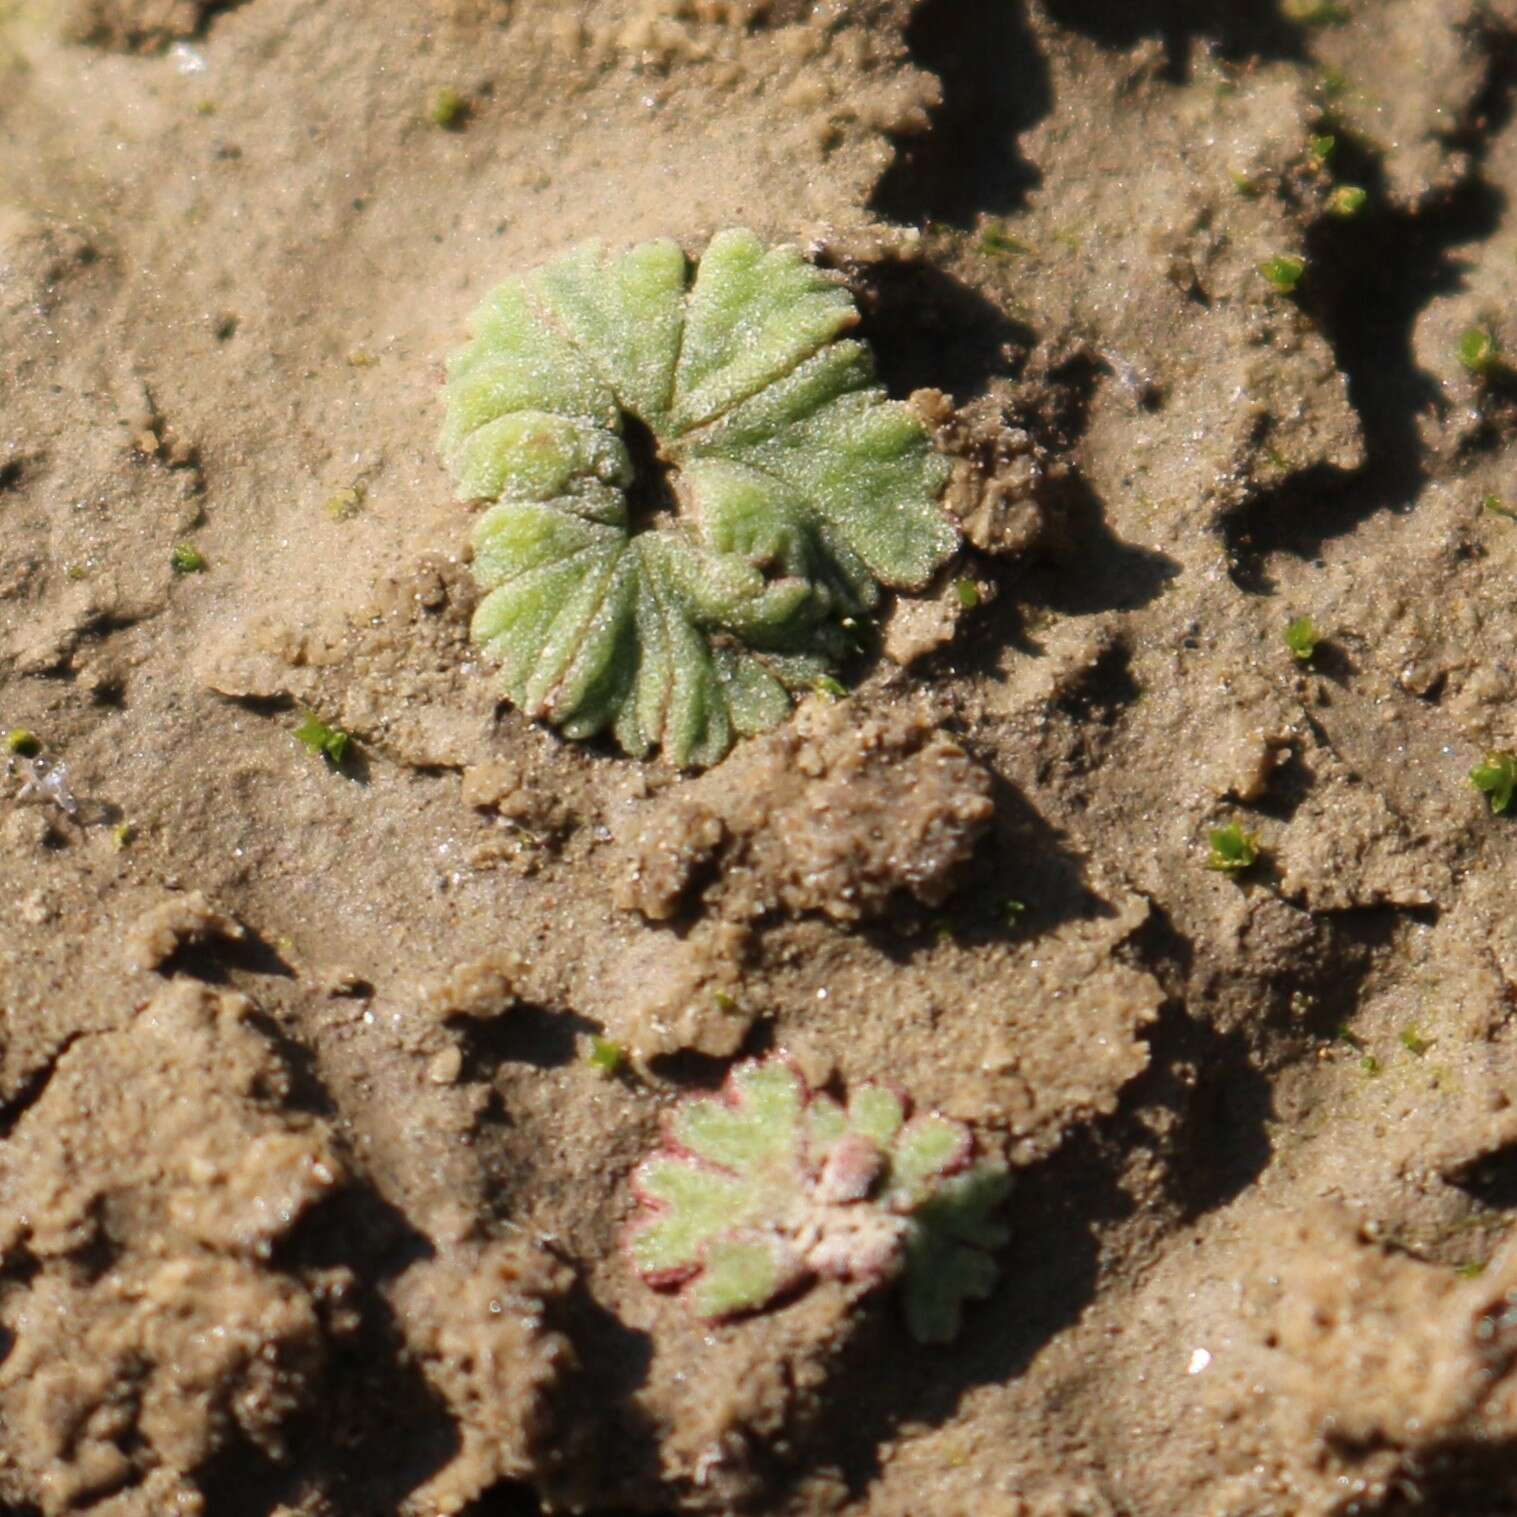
<point x="310" y="1197"/>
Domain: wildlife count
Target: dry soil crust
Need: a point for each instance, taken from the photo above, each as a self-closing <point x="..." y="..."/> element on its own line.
<point x="310" y="1202"/>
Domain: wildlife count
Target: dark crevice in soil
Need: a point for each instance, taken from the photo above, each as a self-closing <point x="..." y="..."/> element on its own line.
<point x="307" y="1090"/>
<point x="1239" y="29"/>
<point x="33" y="1087"/>
<point x="930" y="329"/>
<point x="690" y="1070"/>
<point x="508" y="1499"/>
<point x="523" y="1034"/>
<point x="1083" y="568"/>
<point x="1466" y="1477"/>
<point x="217" y="959"/>
<point x="241" y="1480"/>
<point x="381" y="1430"/>
<point x="1204" y="1108"/>
<point x="1491" y="1179"/>
<point x="995" y="86"/>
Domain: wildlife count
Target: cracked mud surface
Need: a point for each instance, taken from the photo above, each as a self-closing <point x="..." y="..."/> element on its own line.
<point x="310" y="1200"/>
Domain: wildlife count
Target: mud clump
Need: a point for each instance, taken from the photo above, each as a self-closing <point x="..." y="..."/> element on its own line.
<point x="141" y="1199"/>
<point x="1377" y="1368"/>
<point x="136" y="26"/>
<point x="476" y="1321"/>
<point x="830" y="815"/>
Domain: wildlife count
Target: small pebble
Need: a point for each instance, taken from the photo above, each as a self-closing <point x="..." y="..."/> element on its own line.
<point x="446" y="1067"/>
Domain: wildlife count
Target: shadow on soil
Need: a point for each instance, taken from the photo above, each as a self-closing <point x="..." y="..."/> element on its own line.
<point x="1367" y="305"/>
<point x="1023" y="882"/>
<point x="928" y="328"/>
<point x="995" y="86"/>
<point x="1241" y="29"/>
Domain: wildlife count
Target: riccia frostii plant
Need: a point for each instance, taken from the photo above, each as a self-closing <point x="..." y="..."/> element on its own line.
<point x="697" y="484"/>
<point x="764" y="1188"/>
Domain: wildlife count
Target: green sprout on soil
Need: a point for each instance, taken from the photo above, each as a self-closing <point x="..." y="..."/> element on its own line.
<point x="1347" y="201"/>
<point x="122" y="835"/>
<point x="187" y="559"/>
<point x="23" y="742"/>
<point x="1471" y="1271"/>
<point x="449" y="110"/>
<point x="997" y="241"/>
<point x="345" y="504"/>
<point x="1233" y="851"/>
<point x="332" y="743"/>
<point x="764" y="1188"/>
<point x="1479" y="352"/>
<point x="968" y="593"/>
<point x="1498" y="507"/>
<point x="1333" y="83"/>
<point x="1321" y="146"/>
<point x="1496" y="778"/>
<point x="1302" y="638"/>
<point x="1315" y="12"/>
<point x="697" y="485"/>
<point x="605" y="1057"/>
<point x="1414" y="1043"/>
<point x="1284" y="272"/>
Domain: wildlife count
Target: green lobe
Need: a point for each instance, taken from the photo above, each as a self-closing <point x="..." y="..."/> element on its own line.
<point x="626" y="314"/>
<point x="754" y="315"/>
<point x="740" y="1275"/>
<point x="700" y="1204"/>
<point x="758" y="1129"/>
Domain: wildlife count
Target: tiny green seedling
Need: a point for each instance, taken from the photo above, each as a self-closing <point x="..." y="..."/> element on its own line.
<point x="1496" y="778"/>
<point x="187" y="559"/>
<point x="606" y="1057"/>
<point x="1302" y="638"/>
<point x="449" y="110"/>
<point x="1479" y="352"/>
<point x="1470" y="1271"/>
<point x="1347" y="201"/>
<point x="345" y="504"/>
<point x="1233" y="851"/>
<point x="998" y="242"/>
<point x="122" y="835"/>
<point x="1414" y="1043"/>
<point x="23" y="742"/>
<point x="1284" y="272"/>
<point x="1498" y="507"/>
<point x="761" y="1190"/>
<point x="968" y="593"/>
<point x="1315" y="12"/>
<point x="829" y="688"/>
<point x="332" y="743"/>
<point x="1321" y="146"/>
